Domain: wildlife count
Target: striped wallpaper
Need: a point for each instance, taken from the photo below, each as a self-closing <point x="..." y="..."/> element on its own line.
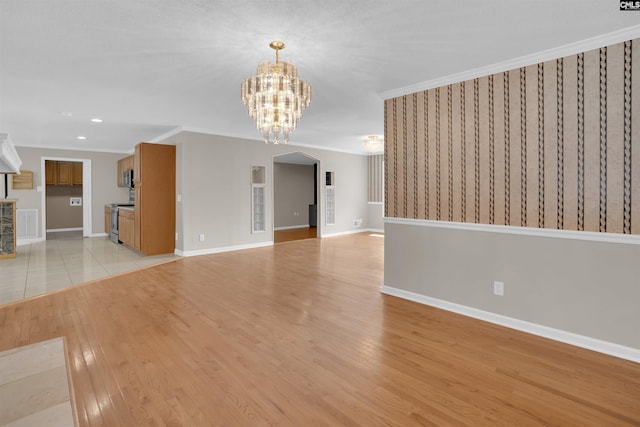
<point x="374" y="178"/>
<point x="551" y="145"/>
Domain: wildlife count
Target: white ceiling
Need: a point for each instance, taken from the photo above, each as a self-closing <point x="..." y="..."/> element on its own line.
<point x="148" y="67"/>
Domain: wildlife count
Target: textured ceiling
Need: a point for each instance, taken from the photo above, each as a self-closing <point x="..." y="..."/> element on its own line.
<point x="150" y="67"/>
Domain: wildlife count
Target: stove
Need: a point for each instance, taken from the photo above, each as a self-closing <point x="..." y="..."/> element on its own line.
<point x="114" y="220"/>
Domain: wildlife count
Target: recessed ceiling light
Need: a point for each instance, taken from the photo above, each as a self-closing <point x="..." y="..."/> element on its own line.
<point x="82" y="137"/>
<point x="96" y="120"/>
<point x="65" y="113"/>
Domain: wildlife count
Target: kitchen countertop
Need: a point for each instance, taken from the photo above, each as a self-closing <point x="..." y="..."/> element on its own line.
<point x="120" y="205"/>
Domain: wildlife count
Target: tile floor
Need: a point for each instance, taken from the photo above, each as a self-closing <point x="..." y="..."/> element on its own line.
<point x="34" y="390"/>
<point x="65" y="259"/>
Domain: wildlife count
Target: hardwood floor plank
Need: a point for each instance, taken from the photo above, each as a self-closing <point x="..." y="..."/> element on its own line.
<point x="299" y="334"/>
<point x="281" y="236"/>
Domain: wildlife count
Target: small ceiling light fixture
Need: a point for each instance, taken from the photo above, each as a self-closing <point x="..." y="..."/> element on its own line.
<point x="275" y="98"/>
<point x="96" y="120"/>
<point x="373" y="144"/>
<point x="82" y="138"/>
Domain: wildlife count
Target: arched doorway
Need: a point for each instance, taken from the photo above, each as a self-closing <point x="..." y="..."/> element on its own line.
<point x="296" y="197"/>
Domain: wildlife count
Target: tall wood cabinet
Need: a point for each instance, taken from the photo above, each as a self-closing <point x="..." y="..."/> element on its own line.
<point x="154" y="173"/>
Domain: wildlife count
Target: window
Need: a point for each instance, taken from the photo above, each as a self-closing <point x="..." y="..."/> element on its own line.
<point x="330" y="217"/>
<point x="257" y="198"/>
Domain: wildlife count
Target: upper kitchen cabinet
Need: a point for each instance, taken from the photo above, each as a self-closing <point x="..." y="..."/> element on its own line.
<point x="63" y="172"/>
<point x="76" y="173"/>
<point x="155" y="198"/>
<point x="123" y="165"/>
<point x="51" y="172"/>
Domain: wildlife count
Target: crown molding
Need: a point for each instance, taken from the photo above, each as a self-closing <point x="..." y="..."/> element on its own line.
<point x="179" y="129"/>
<point x="597" y="42"/>
<point x="70" y="148"/>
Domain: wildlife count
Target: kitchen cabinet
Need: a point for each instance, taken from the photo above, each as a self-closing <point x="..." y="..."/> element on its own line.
<point x="124" y="164"/>
<point x="51" y="172"/>
<point x="107" y="220"/>
<point x="7" y="228"/>
<point x="155" y="198"/>
<point x="126" y="226"/>
<point x="63" y="172"/>
<point x="76" y="173"/>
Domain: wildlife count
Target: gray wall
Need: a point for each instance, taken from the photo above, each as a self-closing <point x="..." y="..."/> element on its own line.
<point x="292" y="192"/>
<point x="104" y="189"/>
<point x="375" y="216"/>
<point x="214" y="184"/>
<point x="585" y="287"/>
<point x="60" y="214"/>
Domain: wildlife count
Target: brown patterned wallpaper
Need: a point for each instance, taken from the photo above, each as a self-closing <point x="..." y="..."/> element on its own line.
<point x="374" y="178"/>
<point x="551" y="145"/>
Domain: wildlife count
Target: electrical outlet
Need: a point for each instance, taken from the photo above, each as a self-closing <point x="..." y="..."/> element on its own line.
<point x="498" y="288"/>
<point x="202" y="237"/>
<point x="176" y="236"/>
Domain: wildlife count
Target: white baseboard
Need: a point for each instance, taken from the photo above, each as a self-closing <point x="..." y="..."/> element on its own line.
<point x="22" y="242"/>
<point x="355" y="231"/>
<point x="374" y="230"/>
<point x="60" y="230"/>
<point x="222" y="249"/>
<point x="612" y="349"/>
<point x="291" y="227"/>
<point x="98" y="235"/>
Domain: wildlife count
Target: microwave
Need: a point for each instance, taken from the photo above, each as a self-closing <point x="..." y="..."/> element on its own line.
<point x="127" y="178"/>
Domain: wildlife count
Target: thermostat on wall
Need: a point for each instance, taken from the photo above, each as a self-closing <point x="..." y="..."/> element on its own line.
<point x="75" y="201"/>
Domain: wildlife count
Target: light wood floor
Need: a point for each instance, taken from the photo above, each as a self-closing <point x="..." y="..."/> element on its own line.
<point x="299" y="335"/>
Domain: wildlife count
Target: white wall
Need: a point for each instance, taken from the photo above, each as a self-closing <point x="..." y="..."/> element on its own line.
<point x="214" y="185"/>
<point x="375" y="216"/>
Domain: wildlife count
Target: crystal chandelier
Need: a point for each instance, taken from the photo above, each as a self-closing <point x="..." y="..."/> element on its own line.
<point x="373" y="144"/>
<point x="275" y="98"/>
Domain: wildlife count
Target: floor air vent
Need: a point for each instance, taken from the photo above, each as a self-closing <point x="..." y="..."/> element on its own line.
<point x="27" y="223"/>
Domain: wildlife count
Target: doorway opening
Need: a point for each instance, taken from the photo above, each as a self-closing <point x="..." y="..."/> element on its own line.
<point x="66" y="198"/>
<point x="296" y="197"/>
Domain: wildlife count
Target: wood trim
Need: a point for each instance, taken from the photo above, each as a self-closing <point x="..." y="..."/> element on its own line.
<point x="630" y="239"/>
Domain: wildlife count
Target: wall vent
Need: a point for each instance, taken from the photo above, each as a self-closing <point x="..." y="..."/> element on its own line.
<point x="26" y="223"/>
